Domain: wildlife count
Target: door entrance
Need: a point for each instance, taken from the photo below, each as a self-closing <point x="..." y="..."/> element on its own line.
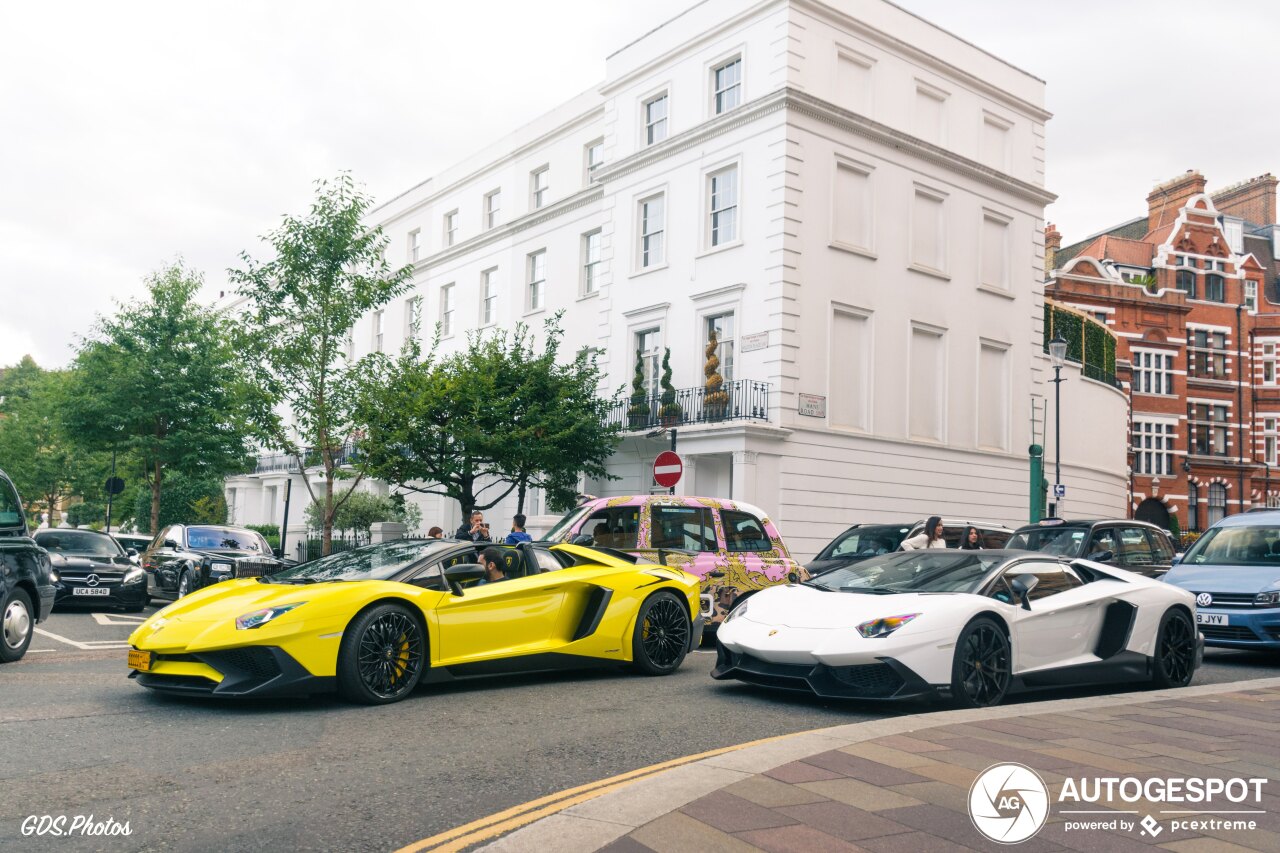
<point x="1153" y="511"/>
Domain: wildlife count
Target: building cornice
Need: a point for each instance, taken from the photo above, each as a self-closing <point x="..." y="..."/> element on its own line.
<point x="824" y="12"/>
<point x="515" y="226"/>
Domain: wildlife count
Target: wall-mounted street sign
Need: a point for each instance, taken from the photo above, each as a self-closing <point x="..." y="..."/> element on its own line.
<point x="1059" y="490"/>
<point x="813" y="405"/>
<point x="667" y="469"/>
<point x="753" y="342"/>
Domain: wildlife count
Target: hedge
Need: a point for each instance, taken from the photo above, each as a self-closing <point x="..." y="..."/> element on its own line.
<point x="1089" y="343"/>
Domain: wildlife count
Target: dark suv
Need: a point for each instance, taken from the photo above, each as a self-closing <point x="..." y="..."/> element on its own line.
<point x="26" y="580"/>
<point x="1125" y="543"/>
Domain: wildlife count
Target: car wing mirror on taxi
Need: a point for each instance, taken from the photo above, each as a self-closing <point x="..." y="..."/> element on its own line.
<point x="584" y="539"/>
<point x="1022" y="586"/>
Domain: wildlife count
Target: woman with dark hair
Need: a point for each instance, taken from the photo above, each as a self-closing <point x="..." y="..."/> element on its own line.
<point x="971" y="539"/>
<point x="930" y="537"/>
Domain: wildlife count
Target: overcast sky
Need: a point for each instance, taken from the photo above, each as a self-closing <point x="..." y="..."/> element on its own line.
<point x="137" y="132"/>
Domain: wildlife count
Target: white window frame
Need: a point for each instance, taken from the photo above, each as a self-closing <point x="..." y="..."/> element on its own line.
<point x="644" y="235"/>
<point x="1269" y="441"/>
<point x="588" y="166"/>
<point x="415" y="244"/>
<point x="652" y="370"/>
<point x="1149" y="375"/>
<point x="1268" y="363"/>
<point x="539" y="185"/>
<point x="1250" y="295"/>
<point x="412" y="318"/>
<point x="1154" y="441"/>
<point x="489" y="296"/>
<point x="590" y="282"/>
<point x="737" y="87"/>
<point x="716" y="195"/>
<point x="535" y="284"/>
<point x="492" y="208"/>
<point x="727" y="345"/>
<point x="451" y="227"/>
<point x="654" y="131"/>
<point x="349" y="344"/>
<point x="446" y="309"/>
<point x="378" y="337"/>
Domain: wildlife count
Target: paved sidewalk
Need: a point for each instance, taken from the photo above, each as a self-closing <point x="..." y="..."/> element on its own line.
<point x="903" y="784"/>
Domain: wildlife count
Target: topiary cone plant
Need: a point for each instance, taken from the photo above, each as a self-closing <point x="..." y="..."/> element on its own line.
<point x="670" y="412"/>
<point x="638" y="413"/>
<point x="715" y="398"/>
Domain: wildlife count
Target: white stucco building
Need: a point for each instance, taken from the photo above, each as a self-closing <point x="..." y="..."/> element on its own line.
<point x="852" y="196"/>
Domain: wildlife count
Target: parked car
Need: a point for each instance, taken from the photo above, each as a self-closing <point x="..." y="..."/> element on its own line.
<point x="971" y="626"/>
<point x="185" y="557"/>
<point x="26" y="577"/>
<point x="1125" y="542"/>
<point x="135" y="542"/>
<point x="731" y="546"/>
<point x="375" y="621"/>
<point x="93" y="569"/>
<point x="863" y="541"/>
<point x="1234" y="571"/>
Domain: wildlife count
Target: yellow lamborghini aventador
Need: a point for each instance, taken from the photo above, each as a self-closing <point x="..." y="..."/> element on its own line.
<point x="374" y="622"/>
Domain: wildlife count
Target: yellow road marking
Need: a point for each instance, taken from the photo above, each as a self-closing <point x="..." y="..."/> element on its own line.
<point x="515" y="817"/>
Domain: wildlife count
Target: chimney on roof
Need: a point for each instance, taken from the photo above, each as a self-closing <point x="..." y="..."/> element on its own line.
<point x="1253" y="200"/>
<point x="1052" y="243"/>
<point x="1168" y="198"/>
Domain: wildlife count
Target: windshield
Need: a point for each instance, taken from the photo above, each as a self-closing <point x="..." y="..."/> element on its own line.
<point x="1062" y="541"/>
<point x="1236" y="546"/>
<point x="866" y="540"/>
<point x="80" y="543"/>
<point x="224" y="539"/>
<point x="914" y="571"/>
<point x="557" y="533"/>
<point x="372" y="562"/>
<point x="10" y="506"/>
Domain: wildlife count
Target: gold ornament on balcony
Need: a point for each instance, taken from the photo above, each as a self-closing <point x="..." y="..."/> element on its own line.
<point x="715" y="398"/>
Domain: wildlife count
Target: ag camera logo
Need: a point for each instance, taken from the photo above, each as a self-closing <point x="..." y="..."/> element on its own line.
<point x="1008" y="803"/>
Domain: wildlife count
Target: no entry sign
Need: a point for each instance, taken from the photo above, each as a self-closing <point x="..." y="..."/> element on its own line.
<point x="667" y="469"/>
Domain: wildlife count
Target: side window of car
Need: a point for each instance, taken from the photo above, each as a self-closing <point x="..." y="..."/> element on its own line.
<point x="1135" y="548"/>
<point x="687" y="528"/>
<point x="158" y="542"/>
<point x="1000" y="591"/>
<point x="743" y="532"/>
<point x="10" y="508"/>
<point x="1051" y="578"/>
<point x="993" y="538"/>
<point x="547" y="562"/>
<point x="1103" y="540"/>
<point x="1161" y="547"/>
<point x="614" y="527"/>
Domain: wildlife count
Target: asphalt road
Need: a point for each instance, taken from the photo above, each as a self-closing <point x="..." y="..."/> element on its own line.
<point x="78" y="738"/>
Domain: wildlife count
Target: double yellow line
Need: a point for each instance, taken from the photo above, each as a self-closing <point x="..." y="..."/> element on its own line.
<point x="478" y="831"/>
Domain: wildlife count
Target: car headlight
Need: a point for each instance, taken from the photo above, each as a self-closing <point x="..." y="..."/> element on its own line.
<point x="1267" y="599"/>
<point x="885" y="626"/>
<point x="258" y="618"/>
<point x="134" y="575"/>
<point x="221" y="567"/>
<point x="53" y="576"/>
<point x="739" y="609"/>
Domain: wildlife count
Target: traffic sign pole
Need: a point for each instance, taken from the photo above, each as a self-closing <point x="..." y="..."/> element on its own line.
<point x="110" y="495"/>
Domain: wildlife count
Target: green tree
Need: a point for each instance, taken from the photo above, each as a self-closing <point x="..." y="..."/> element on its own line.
<point x="160" y="380"/>
<point x="43" y="460"/>
<point x="498" y="415"/>
<point x="186" y="499"/>
<point x="329" y="270"/>
<point x="361" y="511"/>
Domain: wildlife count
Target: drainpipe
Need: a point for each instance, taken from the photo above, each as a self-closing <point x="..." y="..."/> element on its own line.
<point x="1240" y="404"/>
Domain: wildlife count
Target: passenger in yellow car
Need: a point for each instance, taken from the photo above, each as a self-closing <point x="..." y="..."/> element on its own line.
<point x="494" y="566"/>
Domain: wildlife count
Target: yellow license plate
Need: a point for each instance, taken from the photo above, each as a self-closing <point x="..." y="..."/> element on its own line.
<point x="139" y="660"/>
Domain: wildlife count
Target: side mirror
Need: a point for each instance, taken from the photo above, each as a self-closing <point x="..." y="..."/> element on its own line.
<point x="1022" y="586"/>
<point x="1102" y="556"/>
<point x="716" y="574"/>
<point x="131" y="552"/>
<point x="584" y="539"/>
<point x="169" y="543"/>
<point x="462" y="573"/>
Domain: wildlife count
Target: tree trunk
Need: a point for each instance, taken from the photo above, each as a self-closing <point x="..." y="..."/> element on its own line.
<point x="520" y="490"/>
<point x="466" y="495"/>
<point x="155" y="497"/>
<point x="326" y="534"/>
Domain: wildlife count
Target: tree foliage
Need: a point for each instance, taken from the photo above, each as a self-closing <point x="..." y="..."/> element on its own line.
<point x="498" y="416"/>
<point x="328" y="271"/>
<point x="362" y="510"/>
<point x="160" y="380"/>
<point x="186" y="499"/>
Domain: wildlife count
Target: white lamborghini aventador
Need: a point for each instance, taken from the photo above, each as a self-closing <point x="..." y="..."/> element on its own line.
<point x="967" y="625"/>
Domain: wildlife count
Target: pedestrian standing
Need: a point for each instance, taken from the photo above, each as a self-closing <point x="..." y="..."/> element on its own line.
<point x="474" y="530"/>
<point x="518" y="534"/>
<point x="971" y="539"/>
<point x="930" y="537"/>
<point x="435" y="533"/>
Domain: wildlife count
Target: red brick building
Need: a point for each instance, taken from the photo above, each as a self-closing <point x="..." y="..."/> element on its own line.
<point x="1192" y="292"/>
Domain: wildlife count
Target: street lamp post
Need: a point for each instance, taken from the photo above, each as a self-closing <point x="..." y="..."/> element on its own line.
<point x="1058" y="355"/>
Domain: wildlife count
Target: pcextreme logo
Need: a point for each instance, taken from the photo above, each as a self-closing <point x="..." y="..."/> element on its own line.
<point x="1008" y="803"/>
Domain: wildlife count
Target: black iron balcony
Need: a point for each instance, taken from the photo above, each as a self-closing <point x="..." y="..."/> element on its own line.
<point x="739" y="400"/>
<point x="287" y="463"/>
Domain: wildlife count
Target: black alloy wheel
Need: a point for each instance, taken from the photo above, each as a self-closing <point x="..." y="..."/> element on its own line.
<point x="981" y="670"/>
<point x="1175" y="657"/>
<point x="662" y="634"/>
<point x="381" y="657"/>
